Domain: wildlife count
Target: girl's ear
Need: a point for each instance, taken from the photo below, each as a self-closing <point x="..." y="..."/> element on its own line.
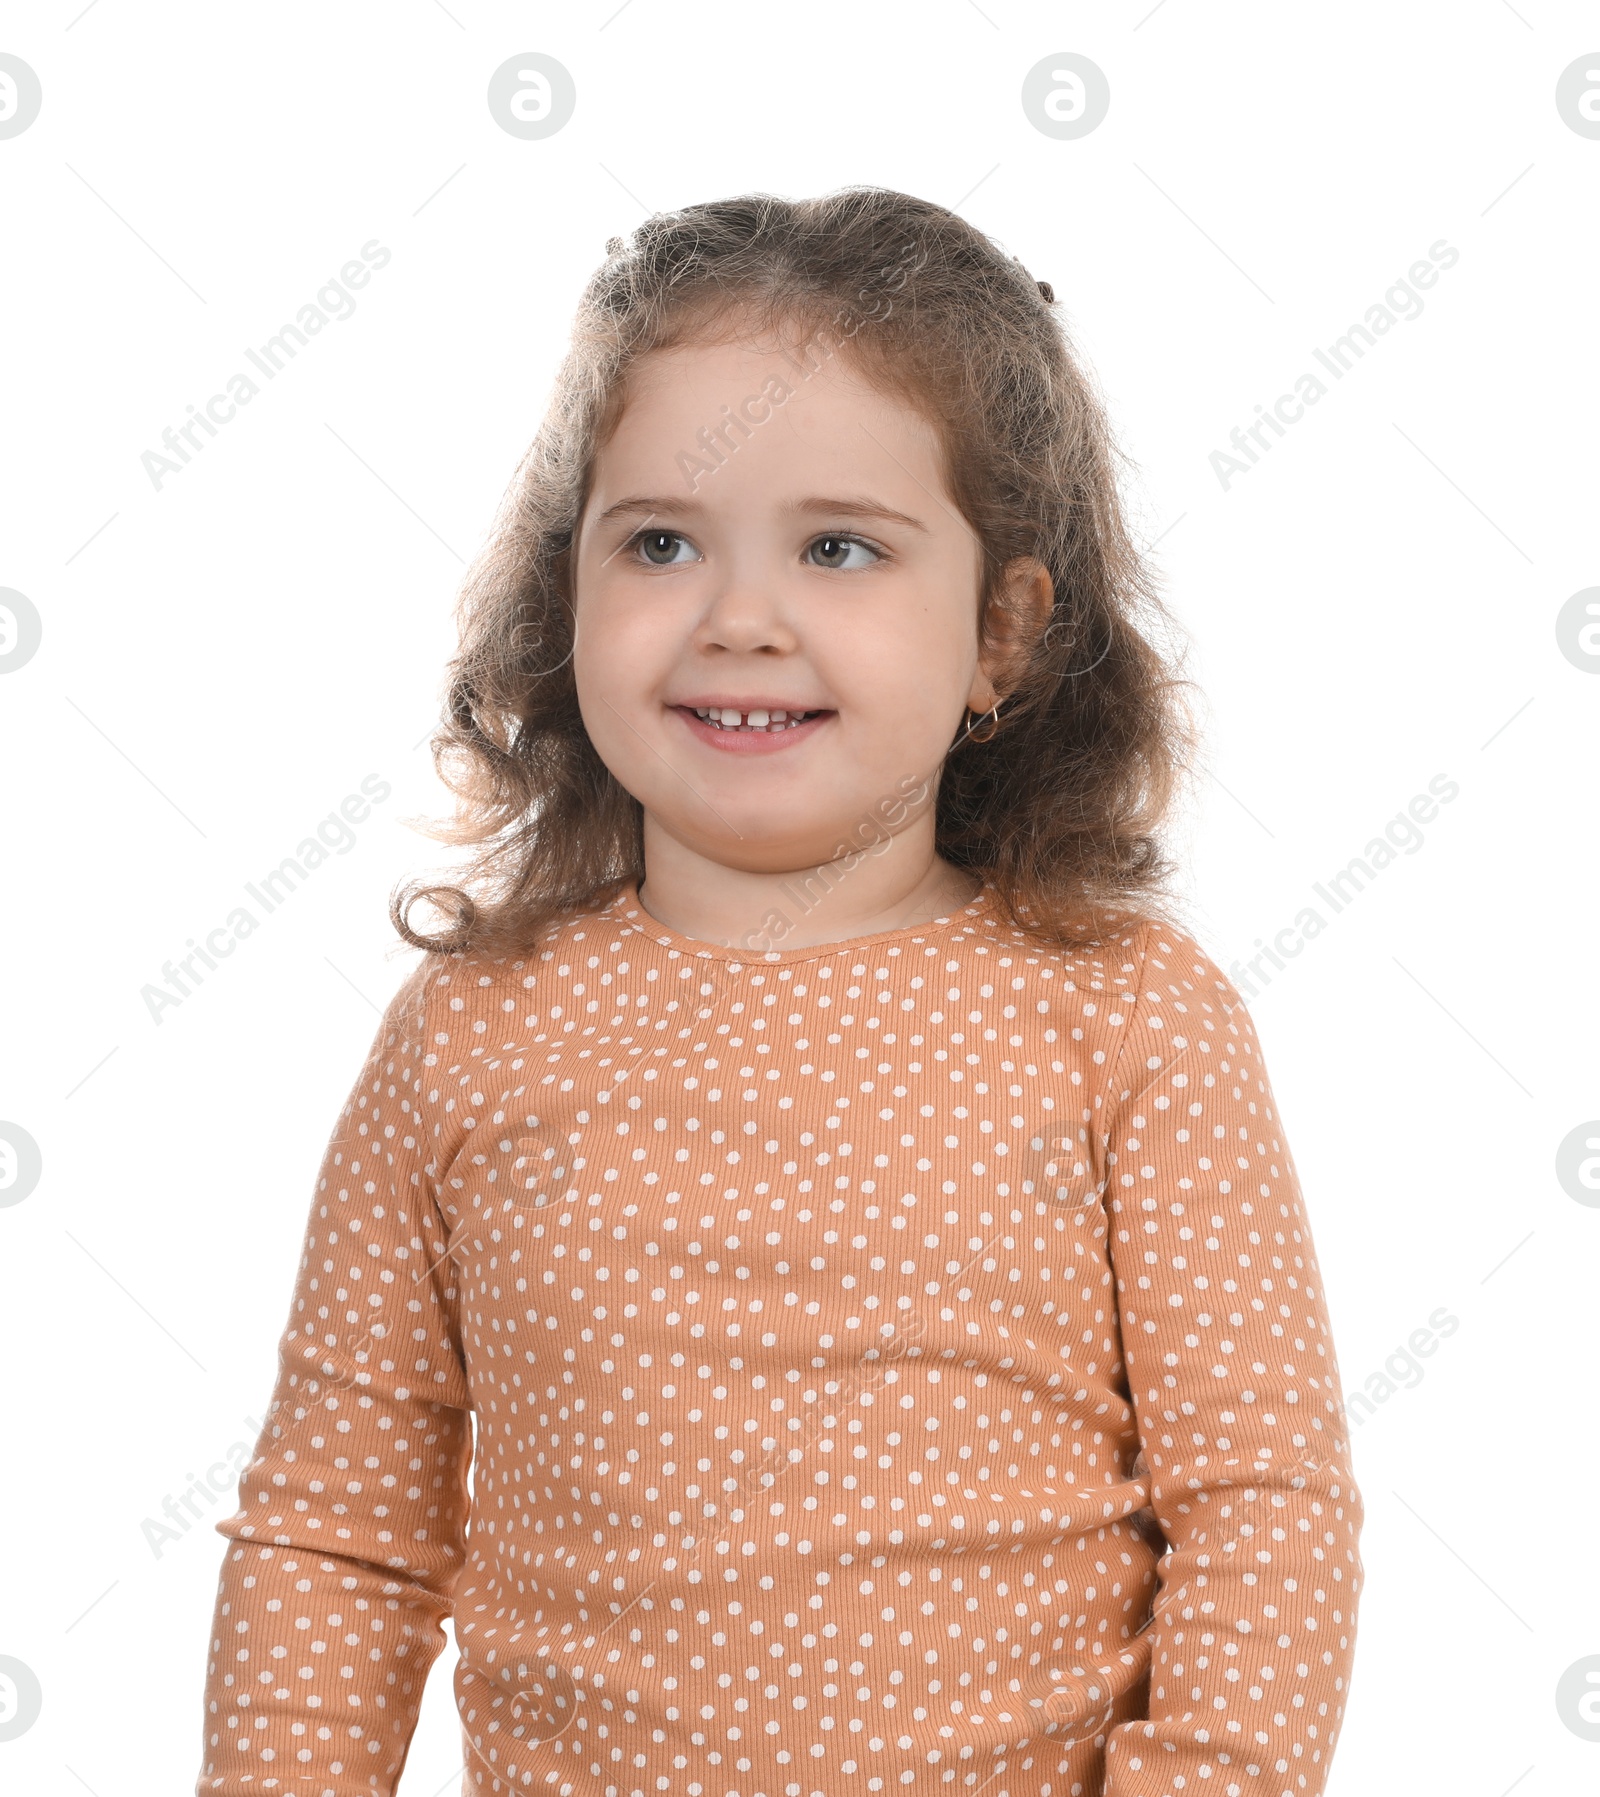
<point x="1022" y="611"/>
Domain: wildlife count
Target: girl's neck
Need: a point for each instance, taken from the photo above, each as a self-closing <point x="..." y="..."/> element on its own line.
<point x="804" y="907"/>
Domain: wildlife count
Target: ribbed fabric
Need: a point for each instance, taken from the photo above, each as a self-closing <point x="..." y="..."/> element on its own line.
<point x="849" y="1331"/>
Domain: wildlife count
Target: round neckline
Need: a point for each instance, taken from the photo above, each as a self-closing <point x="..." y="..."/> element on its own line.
<point x="627" y="907"/>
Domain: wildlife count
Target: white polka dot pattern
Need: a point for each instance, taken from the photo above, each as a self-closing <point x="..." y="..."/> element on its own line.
<point x="849" y="1330"/>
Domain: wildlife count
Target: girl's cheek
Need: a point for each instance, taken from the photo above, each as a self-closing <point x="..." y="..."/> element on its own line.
<point x="605" y="623"/>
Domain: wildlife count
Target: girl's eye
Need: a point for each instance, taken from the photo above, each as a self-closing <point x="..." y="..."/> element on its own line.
<point x="660" y="547"/>
<point x="832" y="551"/>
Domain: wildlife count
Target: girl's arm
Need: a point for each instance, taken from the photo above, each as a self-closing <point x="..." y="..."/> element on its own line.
<point x="1232" y="1372"/>
<point x="351" y="1520"/>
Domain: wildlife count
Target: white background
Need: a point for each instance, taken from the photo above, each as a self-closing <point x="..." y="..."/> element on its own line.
<point x="224" y="659"/>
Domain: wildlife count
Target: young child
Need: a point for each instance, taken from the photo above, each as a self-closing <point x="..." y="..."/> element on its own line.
<point x="854" y="1216"/>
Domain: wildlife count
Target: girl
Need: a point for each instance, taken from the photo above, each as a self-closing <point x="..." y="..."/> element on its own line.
<point x="855" y="1219"/>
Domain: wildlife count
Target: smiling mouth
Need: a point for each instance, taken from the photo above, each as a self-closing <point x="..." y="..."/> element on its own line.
<point x="769" y="722"/>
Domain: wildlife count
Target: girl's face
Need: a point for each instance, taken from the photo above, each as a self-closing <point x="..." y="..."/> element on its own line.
<point x="756" y="542"/>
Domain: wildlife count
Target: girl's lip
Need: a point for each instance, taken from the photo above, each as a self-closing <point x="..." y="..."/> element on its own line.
<point x="749" y="742"/>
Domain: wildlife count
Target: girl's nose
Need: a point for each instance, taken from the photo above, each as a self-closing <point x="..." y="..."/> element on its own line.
<point x="746" y="611"/>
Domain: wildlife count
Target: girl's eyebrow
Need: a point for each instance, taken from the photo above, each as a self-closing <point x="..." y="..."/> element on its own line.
<point x="860" y="507"/>
<point x="628" y="507"/>
<point x="857" y="507"/>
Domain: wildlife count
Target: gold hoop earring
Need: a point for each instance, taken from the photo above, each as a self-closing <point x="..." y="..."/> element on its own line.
<point x="992" y="713"/>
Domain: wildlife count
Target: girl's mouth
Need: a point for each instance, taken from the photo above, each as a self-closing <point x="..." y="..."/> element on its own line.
<point x="726" y="718"/>
<point x="754" y="730"/>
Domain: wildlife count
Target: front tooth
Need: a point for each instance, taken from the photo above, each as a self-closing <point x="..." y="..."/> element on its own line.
<point x="757" y="720"/>
<point x="728" y="716"/>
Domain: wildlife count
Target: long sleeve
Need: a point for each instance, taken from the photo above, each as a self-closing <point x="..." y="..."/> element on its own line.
<point x="351" y="1522"/>
<point x="1232" y="1372"/>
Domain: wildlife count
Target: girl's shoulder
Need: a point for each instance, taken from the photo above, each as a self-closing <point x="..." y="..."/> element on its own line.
<point x="1158" y="954"/>
<point x="1171" y="956"/>
<point x="479" y="983"/>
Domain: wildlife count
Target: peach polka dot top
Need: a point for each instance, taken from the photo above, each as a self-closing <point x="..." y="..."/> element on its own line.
<point x="893" y="1364"/>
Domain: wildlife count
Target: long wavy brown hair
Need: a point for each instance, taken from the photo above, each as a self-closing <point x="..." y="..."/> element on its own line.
<point x="1061" y="807"/>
